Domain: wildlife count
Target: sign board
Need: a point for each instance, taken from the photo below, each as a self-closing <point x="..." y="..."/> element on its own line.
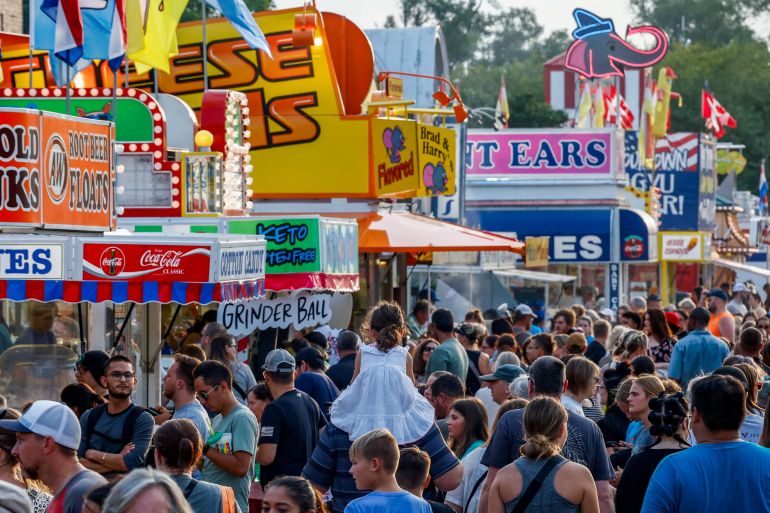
<point x="437" y="151"/>
<point x="292" y="243"/>
<point x="339" y="243"/>
<point x="143" y="261"/>
<point x="537" y="251"/>
<point x="57" y="172"/>
<point x="239" y="262"/>
<point x="681" y="246"/>
<point x="31" y="261"/>
<point x="684" y="175"/>
<point x="614" y="286"/>
<point x="395" y="157"/>
<point x="302" y="310"/>
<point x="535" y="154"/>
<point x="394" y="87"/>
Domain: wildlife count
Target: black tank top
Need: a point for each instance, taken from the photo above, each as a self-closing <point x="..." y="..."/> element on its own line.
<point x="472" y="383"/>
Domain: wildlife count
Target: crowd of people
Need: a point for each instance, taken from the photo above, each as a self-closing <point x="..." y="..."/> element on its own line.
<point x="653" y="408"/>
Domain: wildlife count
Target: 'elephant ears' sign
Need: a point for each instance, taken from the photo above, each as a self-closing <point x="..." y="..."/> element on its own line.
<point x="598" y="51"/>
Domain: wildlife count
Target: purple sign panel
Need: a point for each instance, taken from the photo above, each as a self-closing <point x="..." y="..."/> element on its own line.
<point x="546" y="153"/>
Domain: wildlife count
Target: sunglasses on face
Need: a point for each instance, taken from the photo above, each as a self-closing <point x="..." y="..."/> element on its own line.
<point x="128" y="376"/>
<point x="205" y="395"/>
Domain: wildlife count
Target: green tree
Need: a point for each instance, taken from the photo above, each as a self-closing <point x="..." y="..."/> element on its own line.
<point x="738" y="74"/>
<point x="716" y="22"/>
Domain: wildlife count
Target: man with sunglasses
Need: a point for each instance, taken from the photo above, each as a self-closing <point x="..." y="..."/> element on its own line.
<point x="115" y="436"/>
<point x="229" y="451"/>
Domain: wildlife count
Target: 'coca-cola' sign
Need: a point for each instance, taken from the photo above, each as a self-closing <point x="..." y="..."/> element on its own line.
<point x="140" y="262"/>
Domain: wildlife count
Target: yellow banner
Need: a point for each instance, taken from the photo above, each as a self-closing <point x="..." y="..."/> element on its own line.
<point x="437" y="151"/>
<point x="536" y="251"/>
<point x="395" y="158"/>
<point x="302" y="144"/>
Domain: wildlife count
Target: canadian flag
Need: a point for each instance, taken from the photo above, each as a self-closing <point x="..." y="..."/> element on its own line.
<point x="614" y="103"/>
<point x="717" y="117"/>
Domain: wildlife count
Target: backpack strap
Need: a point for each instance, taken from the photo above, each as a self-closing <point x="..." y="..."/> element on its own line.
<point x="128" y="425"/>
<point x="475" y="489"/>
<point x="188" y="490"/>
<point x="239" y="389"/>
<point x="93" y="417"/>
<point x="535" y="484"/>
<point x="228" y="500"/>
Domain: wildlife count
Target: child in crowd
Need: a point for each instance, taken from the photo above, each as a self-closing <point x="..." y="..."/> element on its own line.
<point x="382" y="394"/>
<point x="375" y="457"/>
<point x="412" y="475"/>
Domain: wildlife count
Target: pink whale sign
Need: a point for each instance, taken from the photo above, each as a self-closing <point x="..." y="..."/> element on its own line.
<point x="562" y="152"/>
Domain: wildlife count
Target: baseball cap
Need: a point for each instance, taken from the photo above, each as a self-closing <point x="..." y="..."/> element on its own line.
<point x="523" y="309"/>
<point x="48" y="418"/>
<point x="607" y="312"/>
<point x="718" y="293"/>
<point x="503" y="311"/>
<point x="280" y="361"/>
<point x="673" y="319"/>
<point x="94" y="361"/>
<point x="653" y="297"/>
<point x="740" y="287"/>
<point x="507" y="373"/>
<point x="466" y="328"/>
<point x="311" y="356"/>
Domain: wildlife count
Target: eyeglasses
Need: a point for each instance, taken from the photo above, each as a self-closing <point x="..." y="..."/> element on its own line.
<point x="205" y="395"/>
<point x="125" y="375"/>
<point x="428" y="349"/>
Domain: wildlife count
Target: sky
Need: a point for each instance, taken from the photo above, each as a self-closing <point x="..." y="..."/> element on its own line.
<point x="552" y="14"/>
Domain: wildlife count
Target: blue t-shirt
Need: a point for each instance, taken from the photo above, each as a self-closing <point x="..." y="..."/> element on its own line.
<point x="388" y="502"/>
<point x="699" y="352"/>
<point x="320" y="387"/>
<point x="699" y="479"/>
<point x="195" y="412"/>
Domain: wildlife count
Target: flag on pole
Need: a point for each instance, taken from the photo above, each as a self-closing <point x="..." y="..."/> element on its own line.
<point x="762" y="188"/>
<point x="241" y="18"/>
<point x="502" y="112"/>
<point x="717" y="117"/>
<point x="583" y="117"/>
<point x="67" y="41"/>
<point x="598" y="105"/>
<point x="615" y="105"/>
<point x="105" y="23"/>
<point x="663" y="104"/>
<point x="646" y="121"/>
<point x="151" y="26"/>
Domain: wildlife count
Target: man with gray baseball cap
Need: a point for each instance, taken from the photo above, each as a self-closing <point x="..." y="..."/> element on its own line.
<point x="500" y="379"/>
<point x="291" y="423"/>
<point x="47" y="439"/>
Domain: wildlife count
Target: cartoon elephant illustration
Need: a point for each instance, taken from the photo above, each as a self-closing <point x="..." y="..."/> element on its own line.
<point x="598" y="51"/>
<point x="394" y="142"/>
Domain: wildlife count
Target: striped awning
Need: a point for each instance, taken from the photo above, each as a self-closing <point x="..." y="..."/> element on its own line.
<point x="124" y="292"/>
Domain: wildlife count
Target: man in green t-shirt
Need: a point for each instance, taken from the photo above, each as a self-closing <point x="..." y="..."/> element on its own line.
<point x="229" y="451"/>
<point x="450" y="355"/>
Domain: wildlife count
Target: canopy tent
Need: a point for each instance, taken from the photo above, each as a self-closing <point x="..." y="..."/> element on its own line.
<point x="404" y="232"/>
<point x="745" y="271"/>
<point x="525" y="274"/>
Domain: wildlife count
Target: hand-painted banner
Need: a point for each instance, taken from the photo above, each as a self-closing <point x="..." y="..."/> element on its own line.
<point x="541" y="154"/>
<point x="303" y="310"/>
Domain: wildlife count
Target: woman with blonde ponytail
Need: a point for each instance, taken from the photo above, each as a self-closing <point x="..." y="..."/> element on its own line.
<point x="542" y="480"/>
<point x="382" y="394"/>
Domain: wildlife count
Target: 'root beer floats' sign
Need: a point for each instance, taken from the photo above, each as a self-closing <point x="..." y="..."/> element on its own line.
<point x="55" y="171"/>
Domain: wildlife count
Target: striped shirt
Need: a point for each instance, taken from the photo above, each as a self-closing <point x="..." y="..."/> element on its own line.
<point x="329" y="465"/>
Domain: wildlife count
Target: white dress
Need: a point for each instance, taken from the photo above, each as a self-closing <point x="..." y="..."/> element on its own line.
<point x="383" y="396"/>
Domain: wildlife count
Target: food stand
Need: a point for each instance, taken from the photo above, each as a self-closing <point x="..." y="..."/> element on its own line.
<point x="70" y="283"/>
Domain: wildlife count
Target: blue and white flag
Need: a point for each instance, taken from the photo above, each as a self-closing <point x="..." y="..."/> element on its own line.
<point x="59" y="28"/>
<point x="104" y="22"/>
<point x="243" y="21"/>
<point x="762" y="188"/>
